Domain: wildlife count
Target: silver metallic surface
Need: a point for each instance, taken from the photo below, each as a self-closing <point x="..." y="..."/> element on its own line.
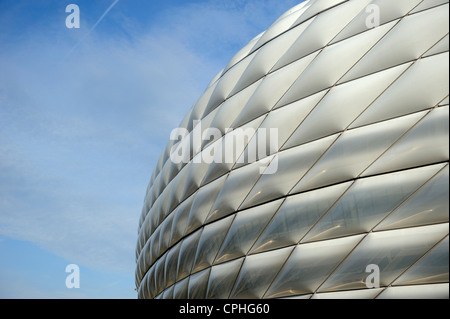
<point x="362" y="178"/>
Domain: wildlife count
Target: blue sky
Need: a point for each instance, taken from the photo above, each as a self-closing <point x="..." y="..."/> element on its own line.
<point x="83" y="120"/>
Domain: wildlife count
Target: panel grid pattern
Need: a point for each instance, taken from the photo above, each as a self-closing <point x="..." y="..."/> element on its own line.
<point x="362" y="164"/>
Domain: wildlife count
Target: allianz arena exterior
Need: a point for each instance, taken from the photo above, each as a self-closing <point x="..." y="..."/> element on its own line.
<point x="362" y="164"/>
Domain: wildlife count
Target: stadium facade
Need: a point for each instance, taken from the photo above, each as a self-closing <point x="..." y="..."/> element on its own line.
<point x="357" y="205"/>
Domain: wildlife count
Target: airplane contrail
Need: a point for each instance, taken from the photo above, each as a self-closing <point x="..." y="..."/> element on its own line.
<point x="93" y="27"/>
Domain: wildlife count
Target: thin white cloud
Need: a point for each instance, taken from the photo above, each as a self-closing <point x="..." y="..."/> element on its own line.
<point x="75" y="177"/>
